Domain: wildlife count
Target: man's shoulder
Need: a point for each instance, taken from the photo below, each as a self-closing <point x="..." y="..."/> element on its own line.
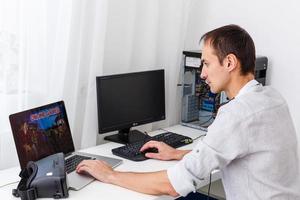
<point x="256" y="100"/>
<point x="263" y="97"/>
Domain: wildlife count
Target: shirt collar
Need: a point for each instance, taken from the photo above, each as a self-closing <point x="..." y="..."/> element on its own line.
<point x="246" y="87"/>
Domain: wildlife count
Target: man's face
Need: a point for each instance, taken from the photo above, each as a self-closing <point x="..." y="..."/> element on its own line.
<point x="214" y="72"/>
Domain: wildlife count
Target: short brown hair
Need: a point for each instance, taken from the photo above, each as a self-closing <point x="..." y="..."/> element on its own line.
<point x="232" y="39"/>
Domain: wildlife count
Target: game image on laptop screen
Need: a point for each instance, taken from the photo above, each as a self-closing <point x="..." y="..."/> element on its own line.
<point x="41" y="132"/>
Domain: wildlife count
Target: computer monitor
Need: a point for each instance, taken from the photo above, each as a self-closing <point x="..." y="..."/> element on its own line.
<point x="128" y="100"/>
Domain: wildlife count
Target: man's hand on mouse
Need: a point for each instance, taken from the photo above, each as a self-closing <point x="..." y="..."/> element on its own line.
<point x="165" y="152"/>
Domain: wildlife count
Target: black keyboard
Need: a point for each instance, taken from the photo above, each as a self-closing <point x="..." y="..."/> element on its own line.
<point x="72" y="162"/>
<point x="132" y="151"/>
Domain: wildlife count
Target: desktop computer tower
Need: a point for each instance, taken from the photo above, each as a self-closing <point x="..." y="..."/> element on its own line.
<point x="199" y="105"/>
<point x="261" y="64"/>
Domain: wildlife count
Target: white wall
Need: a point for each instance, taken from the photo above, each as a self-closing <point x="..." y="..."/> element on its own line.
<point x="147" y="35"/>
<point x="275" y="29"/>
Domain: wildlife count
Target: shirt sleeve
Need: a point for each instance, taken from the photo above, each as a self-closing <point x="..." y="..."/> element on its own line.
<point x="191" y="172"/>
<point x="223" y="143"/>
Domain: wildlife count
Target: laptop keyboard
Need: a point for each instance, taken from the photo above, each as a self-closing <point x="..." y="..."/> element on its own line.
<point x="72" y="162"/>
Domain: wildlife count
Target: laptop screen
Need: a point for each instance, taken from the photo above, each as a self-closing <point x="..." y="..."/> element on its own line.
<point x="41" y="132"/>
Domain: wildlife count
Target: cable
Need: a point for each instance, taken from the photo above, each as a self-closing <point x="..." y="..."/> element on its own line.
<point x="208" y="191"/>
<point x="201" y="124"/>
<point x="196" y="138"/>
<point x="164" y="130"/>
<point x="206" y="115"/>
<point x="1" y="186"/>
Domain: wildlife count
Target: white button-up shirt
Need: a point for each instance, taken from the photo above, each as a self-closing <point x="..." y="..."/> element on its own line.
<point x="253" y="142"/>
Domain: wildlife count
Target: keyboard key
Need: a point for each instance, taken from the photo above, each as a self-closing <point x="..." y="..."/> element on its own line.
<point x="72" y="162"/>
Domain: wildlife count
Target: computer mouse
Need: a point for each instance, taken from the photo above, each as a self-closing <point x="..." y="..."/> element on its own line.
<point x="150" y="150"/>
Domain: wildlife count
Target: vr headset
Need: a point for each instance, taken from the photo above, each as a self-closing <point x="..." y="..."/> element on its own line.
<point x="45" y="178"/>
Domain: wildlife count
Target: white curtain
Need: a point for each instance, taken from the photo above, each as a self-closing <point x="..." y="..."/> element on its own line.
<point x="52" y="50"/>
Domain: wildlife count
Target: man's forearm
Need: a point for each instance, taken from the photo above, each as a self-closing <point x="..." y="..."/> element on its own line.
<point x="155" y="183"/>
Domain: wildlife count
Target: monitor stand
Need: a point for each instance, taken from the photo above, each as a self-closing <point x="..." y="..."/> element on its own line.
<point x="127" y="136"/>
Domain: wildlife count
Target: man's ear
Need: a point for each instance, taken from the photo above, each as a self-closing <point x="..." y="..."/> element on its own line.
<point x="231" y="62"/>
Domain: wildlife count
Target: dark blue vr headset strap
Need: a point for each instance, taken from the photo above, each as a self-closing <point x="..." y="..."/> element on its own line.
<point x="27" y="175"/>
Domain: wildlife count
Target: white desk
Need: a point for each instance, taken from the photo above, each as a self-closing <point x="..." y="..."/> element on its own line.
<point x="98" y="190"/>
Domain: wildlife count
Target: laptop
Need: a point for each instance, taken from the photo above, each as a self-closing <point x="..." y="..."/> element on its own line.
<point x="43" y="131"/>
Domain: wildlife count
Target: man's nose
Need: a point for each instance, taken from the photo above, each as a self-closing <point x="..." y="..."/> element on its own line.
<point x="203" y="74"/>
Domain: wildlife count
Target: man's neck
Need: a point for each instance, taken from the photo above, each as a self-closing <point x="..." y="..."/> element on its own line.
<point x="236" y="84"/>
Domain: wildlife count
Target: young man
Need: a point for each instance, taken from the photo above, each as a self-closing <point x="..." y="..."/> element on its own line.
<point x="252" y="140"/>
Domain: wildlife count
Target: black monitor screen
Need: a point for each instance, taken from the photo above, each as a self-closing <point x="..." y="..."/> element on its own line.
<point x="127" y="100"/>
